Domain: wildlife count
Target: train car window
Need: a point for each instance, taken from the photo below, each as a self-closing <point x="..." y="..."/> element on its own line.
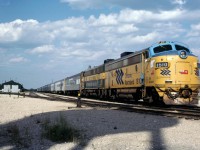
<point x="146" y="54"/>
<point x="125" y="62"/>
<point x="134" y="60"/>
<point x="179" y="47"/>
<point x="108" y="67"/>
<point x="101" y="69"/>
<point x="122" y="63"/>
<point x="88" y="73"/>
<point x="162" y="48"/>
<point x="96" y="71"/>
<point x="114" y="66"/>
<point x="118" y="64"/>
<point x="198" y="65"/>
<point x="77" y="81"/>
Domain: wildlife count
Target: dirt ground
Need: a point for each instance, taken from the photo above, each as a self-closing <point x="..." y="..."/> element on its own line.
<point x="100" y="128"/>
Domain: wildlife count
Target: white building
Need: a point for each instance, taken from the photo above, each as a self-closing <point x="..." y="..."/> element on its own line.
<point x="11" y="87"/>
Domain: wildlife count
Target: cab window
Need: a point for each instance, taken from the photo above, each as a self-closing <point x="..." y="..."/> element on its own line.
<point x="179" y="47"/>
<point x="162" y="48"/>
<point x="146" y="55"/>
<point x="198" y="65"/>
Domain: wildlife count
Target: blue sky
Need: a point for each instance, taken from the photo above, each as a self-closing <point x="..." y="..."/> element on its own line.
<point x="46" y="40"/>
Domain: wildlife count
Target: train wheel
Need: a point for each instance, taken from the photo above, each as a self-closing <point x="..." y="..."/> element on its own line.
<point x="87" y="94"/>
<point x="138" y="95"/>
<point x="157" y="100"/>
<point x="135" y="97"/>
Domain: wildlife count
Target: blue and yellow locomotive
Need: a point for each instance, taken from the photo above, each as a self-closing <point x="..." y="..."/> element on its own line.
<point x="173" y="71"/>
<point x="164" y="72"/>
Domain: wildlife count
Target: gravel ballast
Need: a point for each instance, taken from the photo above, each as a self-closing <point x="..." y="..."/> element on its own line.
<point x="100" y="128"/>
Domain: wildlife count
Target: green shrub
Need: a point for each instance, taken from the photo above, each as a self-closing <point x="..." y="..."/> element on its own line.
<point x="60" y="131"/>
<point x="17" y="137"/>
<point x="13" y="131"/>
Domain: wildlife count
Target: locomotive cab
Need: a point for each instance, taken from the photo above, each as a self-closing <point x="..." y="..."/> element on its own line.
<point x="172" y="74"/>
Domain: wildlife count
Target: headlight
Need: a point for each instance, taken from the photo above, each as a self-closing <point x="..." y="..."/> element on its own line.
<point x="183" y="54"/>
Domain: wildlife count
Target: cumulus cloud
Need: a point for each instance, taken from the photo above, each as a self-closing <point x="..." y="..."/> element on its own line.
<point x="127" y="28"/>
<point x="180" y="2"/>
<point x="139" y="16"/>
<point x="195" y="30"/>
<point x="70" y="45"/>
<point x="10" y="32"/>
<point x="104" y="20"/>
<point x="96" y="38"/>
<point x="17" y="60"/>
<point x="193" y="36"/>
<point x="43" y="49"/>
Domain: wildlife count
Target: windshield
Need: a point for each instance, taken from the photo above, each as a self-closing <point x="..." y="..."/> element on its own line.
<point x="179" y="47"/>
<point x="162" y="48"/>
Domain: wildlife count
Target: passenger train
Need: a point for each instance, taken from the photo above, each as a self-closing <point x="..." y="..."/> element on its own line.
<point x="164" y="72"/>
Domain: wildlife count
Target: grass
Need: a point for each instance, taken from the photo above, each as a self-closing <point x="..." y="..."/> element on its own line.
<point x="60" y="131"/>
<point x="56" y="130"/>
<point x="16" y="137"/>
<point x="13" y="132"/>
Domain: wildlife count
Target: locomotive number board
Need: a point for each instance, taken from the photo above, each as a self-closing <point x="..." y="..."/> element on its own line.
<point x="161" y="64"/>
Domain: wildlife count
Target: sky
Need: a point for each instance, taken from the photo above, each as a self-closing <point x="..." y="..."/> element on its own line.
<point x="42" y="41"/>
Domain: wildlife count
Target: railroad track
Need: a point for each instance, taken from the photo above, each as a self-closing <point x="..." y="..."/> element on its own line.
<point x="170" y="111"/>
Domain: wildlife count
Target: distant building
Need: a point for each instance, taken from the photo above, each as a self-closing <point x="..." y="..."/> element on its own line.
<point x="11" y="86"/>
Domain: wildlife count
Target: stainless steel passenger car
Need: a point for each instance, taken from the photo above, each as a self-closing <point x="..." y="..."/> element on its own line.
<point x="52" y="87"/>
<point x="59" y="86"/>
<point x="72" y="84"/>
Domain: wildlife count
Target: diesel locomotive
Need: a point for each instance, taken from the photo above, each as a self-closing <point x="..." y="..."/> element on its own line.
<point x="164" y="72"/>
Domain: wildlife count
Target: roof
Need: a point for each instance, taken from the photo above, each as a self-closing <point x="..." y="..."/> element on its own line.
<point x="11" y="82"/>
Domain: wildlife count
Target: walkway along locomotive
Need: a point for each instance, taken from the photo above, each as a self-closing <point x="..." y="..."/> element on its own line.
<point x="165" y="72"/>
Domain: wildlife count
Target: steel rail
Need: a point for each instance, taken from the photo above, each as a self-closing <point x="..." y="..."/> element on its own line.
<point x="171" y="111"/>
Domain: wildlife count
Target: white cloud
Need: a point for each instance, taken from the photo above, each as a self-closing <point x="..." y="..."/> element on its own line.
<point x="196" y="27"/>
<point x="96" y="38"/>
<point x="17" y="60"/>
<point x="43" y="49"/>
<point x="104" y="20"/>
<point x="179" y="2"/>
<point x="10" y="32"/>
<point x="127" y="28"/>
<point x="195" y="30"/>
<point x="138" y="16"/>
<point x="76" y="42"/>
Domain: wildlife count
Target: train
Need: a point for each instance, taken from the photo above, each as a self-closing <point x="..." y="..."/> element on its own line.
<point x="166" y="72"/>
